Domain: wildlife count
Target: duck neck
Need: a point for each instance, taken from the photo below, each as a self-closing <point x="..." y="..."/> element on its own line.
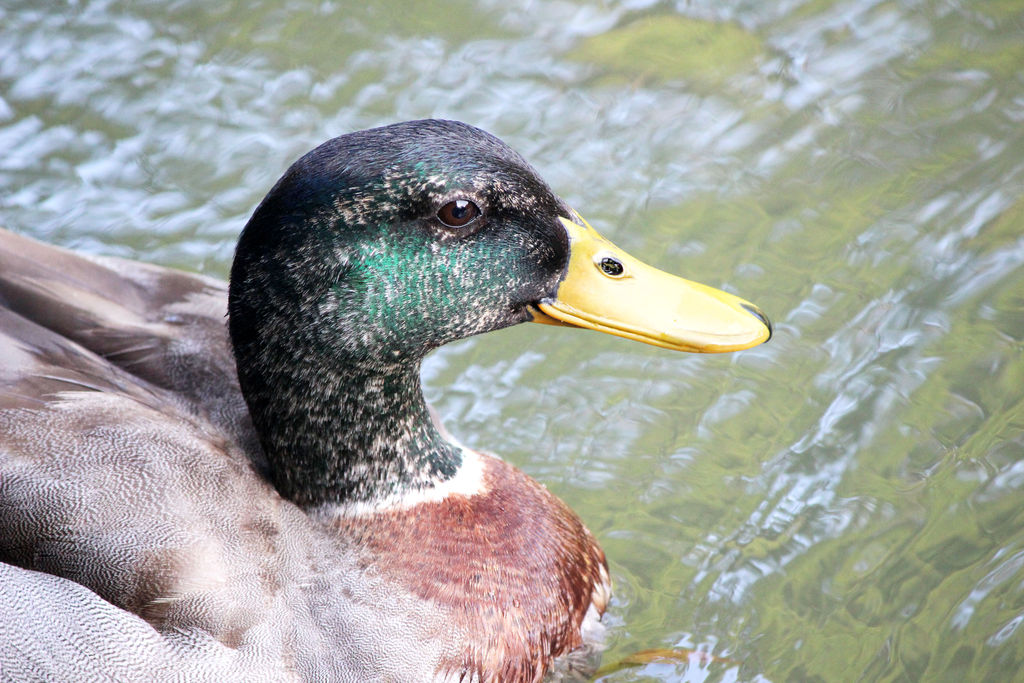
<point x="353" y="432"/>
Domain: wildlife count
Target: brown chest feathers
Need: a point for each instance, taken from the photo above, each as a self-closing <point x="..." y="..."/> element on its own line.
<point x="512" y="565"/>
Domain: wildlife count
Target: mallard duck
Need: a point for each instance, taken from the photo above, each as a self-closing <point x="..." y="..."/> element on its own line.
<point x="305" y="517"/>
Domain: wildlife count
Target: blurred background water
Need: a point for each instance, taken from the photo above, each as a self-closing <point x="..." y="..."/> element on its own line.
<point x="843" y="503"/>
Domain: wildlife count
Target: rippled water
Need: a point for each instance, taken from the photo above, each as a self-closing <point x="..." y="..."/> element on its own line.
<point x="844" y="502"/>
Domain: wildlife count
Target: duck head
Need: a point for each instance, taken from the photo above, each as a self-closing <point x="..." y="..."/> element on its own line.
<point x="381" y="245"/>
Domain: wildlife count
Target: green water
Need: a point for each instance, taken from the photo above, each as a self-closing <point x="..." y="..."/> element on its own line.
<point x="843" y="503"/>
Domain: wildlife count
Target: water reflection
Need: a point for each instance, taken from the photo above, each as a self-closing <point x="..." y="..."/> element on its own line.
<point x="842" y="502"/>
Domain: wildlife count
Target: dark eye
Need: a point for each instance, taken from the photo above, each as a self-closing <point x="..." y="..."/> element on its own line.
<point x="458" y="213"/>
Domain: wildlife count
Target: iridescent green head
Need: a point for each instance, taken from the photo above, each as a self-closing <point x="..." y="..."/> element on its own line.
<point x="390" y="242"/>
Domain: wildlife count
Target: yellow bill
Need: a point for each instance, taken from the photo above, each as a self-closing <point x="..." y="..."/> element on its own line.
<point x="607" y="290"/>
